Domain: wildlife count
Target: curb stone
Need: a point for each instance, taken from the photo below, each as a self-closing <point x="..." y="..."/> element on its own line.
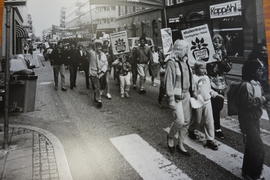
<point x="60" y="156"/>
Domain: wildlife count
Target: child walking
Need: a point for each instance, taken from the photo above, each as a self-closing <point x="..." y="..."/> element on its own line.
<point x="204" y="115"/>
<point x="124" y="68"/>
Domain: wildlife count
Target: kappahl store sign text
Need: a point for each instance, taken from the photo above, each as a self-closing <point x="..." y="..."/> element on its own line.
<point x="228" y="9"/>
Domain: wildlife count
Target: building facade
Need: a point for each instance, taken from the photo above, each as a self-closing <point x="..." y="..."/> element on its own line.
<point x="18" y="34"/>
<point x="240" y="22"/>
<point x="138" y="21"/>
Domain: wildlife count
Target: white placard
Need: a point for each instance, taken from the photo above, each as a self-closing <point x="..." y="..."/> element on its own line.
<point x="200" y="44"/>
<point x="119" y="42"/>
<point x="228" y="9"/>
<point x="167" y="42"/>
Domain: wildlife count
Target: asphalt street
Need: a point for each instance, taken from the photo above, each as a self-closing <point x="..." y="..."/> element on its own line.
<point x="88" y="133"/>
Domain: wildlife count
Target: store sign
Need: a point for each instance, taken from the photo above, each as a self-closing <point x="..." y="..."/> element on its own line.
<point x="227" y="9"/>
<point x="174" y="20"/>
<point x="167" y="42"/>
<point x="200" y="44"/>
<point x="119" y="42"/>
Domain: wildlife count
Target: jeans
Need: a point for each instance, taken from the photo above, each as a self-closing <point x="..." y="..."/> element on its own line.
<point x="95" y="81"/>
<point x="56" y="70"/>
<point x="73" y="74"/>
<point x="141" y="69"/>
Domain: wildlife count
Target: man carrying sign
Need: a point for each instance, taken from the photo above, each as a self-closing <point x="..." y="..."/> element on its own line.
<point x="143" y="56"/>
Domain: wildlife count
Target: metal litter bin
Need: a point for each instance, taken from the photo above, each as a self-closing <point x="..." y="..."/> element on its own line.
<point x="22" y="93"/>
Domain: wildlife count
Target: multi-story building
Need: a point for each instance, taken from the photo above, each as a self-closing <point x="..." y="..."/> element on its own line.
<point x="141" y="20"/>
<point x="101" y="16"/>
<point x="18" y="34"/>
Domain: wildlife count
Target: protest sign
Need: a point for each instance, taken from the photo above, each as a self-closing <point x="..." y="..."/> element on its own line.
<point x="119" y="42"/>
<point x="200" y="44"/>
<point x="167" y="42"/>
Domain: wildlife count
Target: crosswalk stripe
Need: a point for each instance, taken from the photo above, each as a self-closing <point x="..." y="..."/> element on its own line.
<point x="148" y="163"/>
<point x="45" y="83"/>
<point x="231" y="124"/>
<point x="226" y="157"/>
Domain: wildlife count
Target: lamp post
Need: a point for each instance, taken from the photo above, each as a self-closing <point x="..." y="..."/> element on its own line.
<point x="91" y="19"/>
<point x="164" y="14"/>
<point x="9" y="4"/>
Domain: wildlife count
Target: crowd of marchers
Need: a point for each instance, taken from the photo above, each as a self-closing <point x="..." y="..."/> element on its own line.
<point x="195" y="95"/>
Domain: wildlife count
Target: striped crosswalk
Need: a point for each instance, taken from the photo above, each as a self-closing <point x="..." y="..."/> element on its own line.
<point x="150" y="164"/>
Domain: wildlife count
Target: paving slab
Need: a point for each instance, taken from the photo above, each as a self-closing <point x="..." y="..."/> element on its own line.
<point x="33" y="153"/>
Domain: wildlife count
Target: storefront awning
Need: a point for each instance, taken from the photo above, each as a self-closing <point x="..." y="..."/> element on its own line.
<point x="21" y="32"/>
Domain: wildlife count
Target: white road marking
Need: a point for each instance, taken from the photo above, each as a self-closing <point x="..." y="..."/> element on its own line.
<point x="149" y="163"/>
<point x="45" y="83"/>
<point x="233" y="124"/>
<point x="226" y="157"/>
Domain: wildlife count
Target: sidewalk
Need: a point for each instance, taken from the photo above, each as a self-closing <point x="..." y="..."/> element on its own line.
<point x="33" y="153"/>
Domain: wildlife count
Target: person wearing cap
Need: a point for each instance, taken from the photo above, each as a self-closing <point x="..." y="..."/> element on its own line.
<point x="179" y="88"/>
<point x="143" y="56"/>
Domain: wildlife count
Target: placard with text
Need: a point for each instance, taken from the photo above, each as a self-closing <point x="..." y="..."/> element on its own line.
<point x="200" y="44"/>
<point x="119" y="42"/>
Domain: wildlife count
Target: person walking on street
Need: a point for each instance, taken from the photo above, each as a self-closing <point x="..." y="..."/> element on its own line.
<point x="73" y="55"/>
<point x="124" y="68"/>
<point x="162" y="88"/>
<point x="108" y="52"/>
<point x="250" y="108"/>
<point x="154" y="64"/>
<point x="143" y="57"/>
<point x="216" y="72"/>
<point x="84" y="63"/>
<point x="134" y="68"/>
<point x="204" y="115"/>
<point x="57" y="61"/>
<point x="179" y="87"/>
<point x="97" y="67"/>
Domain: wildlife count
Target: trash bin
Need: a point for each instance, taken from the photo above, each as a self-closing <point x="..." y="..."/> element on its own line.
<point x="22" y="93"/>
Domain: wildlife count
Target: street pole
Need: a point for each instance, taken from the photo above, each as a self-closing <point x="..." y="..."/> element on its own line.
<point x="164" y="14"/>
<point x="7" y="74"/>
<point x="91" y="19"/>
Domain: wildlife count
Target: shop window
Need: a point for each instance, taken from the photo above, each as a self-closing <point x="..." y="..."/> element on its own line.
<point x="231" y="29"/>
<point x="233" y="40"/>
<point x="169" y="2"/>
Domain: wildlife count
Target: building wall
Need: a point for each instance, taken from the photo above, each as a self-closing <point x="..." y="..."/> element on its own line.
<point x="241" y="32"/>
<point x="146" y="22"/>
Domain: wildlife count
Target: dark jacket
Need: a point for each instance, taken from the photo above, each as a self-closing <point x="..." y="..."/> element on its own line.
<point x="250" y="106"/>
<point x="143" y="55"/>
<point x="72" y="56"/>
<point x="58" y="56"/>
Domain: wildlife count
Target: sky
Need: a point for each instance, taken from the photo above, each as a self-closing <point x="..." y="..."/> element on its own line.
<point x="47" y="12"/>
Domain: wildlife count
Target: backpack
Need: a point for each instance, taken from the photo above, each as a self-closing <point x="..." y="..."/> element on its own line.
<point x="233" y="98"/>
